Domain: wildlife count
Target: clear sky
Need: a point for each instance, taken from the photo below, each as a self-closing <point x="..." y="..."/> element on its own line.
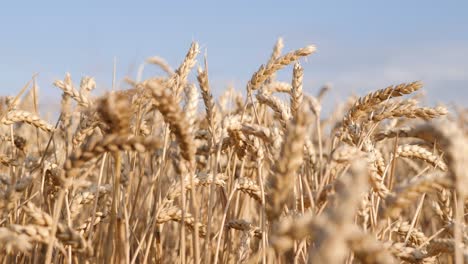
<point x="362" y="45"/>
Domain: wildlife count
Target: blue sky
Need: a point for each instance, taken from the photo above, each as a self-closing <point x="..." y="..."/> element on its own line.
<point x="362" y="45"/>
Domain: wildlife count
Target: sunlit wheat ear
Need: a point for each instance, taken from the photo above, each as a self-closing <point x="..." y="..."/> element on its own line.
<point x="412" y="112"/>
<point x="179" y="79"/>
<point x="64" y="233"/>
<point x="416" y="237"/>
<point x="176" y="118"/>
<point x="87" y="84"/>
<point x="68" y="88"/>
<point x="86" y="225"/>
<point x="376" y="176"/>
<point x="443" y="205"/>
<point x="365" y="104"/>
<point x="280" y="182"/>
<point x="454" y="144"/>
<point x="87" y="197"/>
<point x="207" y="96"/>
<point x="175" y="214"/>
<point x="296" y="91"/>
<point x="275" y="54"/>
<point x="281" y="111"/>
<point x="265" y="72"/>
<point x="16" y="116"/>
<point x="82" y="133"/>
<point x="418" y="152"/>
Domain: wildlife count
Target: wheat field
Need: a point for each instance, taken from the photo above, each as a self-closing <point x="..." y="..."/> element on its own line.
<point x="163" y="172"/>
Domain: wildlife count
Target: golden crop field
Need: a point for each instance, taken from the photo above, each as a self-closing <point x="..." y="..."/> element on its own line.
<point x="164" y="172"/>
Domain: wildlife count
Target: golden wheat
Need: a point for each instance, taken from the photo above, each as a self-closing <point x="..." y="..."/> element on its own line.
<point x="142" y="176"/>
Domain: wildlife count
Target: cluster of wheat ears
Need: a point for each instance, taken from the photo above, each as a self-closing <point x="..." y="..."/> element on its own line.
<point x="145" y="175"/>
